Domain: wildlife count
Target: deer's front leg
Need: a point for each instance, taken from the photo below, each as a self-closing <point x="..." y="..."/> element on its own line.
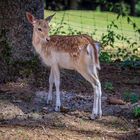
<point x="51" y="81"/>
<point x="56" y="73"/>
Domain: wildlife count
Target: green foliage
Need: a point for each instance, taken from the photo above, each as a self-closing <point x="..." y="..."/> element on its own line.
<point x="108" y="86"/>
<point x="105" y="57"/>
<point x="111" y="37"/>
<point x="131" y="97"/>
<point x="136" y="112"/>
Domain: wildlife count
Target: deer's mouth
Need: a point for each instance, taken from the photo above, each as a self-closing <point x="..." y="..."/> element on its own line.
<point x="47" y="39"/>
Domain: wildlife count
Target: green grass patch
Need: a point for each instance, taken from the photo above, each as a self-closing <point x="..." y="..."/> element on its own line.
<point x="93" y="21"/>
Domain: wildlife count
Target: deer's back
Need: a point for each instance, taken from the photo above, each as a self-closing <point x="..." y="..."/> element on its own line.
<point x="71" y="44"/>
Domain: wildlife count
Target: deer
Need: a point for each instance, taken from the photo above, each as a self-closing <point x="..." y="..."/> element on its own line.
<point x="73" y="52"/>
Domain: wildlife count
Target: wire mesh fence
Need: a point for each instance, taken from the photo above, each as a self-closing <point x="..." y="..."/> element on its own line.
<point x="93" y="23"/>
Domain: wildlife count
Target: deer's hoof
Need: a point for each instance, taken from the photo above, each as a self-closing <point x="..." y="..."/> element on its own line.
<point x="57" y="108"/>
<point x="99" y="116"/>
<point x="93" y="116"/>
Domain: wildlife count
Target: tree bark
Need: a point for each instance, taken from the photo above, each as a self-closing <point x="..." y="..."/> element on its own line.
<point x="73" y="4"/>
<point x="16" y="32"/>
<point x="132" y="7"/>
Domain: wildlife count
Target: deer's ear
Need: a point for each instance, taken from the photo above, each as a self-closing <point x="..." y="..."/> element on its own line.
<point x="30" y="18"/>
<point x="49" y="18"/>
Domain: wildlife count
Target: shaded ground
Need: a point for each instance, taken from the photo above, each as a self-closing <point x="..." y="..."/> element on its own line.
<point x="25" y="115"/>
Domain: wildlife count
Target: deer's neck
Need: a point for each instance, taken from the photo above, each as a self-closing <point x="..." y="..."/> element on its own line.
<point x="37" y="43"/>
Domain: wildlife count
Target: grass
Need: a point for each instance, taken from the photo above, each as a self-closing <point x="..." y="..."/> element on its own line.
<point x="94" y="22"/>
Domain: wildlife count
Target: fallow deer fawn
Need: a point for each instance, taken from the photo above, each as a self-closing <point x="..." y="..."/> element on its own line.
<point x="77" y="52"/>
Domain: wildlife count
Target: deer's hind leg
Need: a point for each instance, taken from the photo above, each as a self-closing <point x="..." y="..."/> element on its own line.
<point x="91" y="76"/>
<point x="98" y="89"/>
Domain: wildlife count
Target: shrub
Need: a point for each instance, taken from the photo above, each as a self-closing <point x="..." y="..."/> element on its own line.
<point x="131" y="97"/>
<point x="109" y="86"/>
<point x="136" y="112"/>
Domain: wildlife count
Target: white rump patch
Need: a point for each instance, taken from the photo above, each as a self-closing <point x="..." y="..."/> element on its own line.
<point x="98" y="45"/>
<point x="90" y="49"/>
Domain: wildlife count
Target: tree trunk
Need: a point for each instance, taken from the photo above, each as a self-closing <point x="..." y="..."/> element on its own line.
<point x="73" y="4"/>
<point x="16" y="32"/>
<point x="132" y="7"/>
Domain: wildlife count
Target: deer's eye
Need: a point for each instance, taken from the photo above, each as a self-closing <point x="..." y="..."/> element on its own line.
<point x="39" y="29"/>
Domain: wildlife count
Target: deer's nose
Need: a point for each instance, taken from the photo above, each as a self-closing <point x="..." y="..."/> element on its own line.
<point x="48" y="38"/>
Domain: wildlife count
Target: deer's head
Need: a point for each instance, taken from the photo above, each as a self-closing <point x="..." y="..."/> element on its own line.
<point x="40" y="26"/>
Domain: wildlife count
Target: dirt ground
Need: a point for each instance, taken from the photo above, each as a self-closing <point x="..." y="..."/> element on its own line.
<point x="24" y="114"/>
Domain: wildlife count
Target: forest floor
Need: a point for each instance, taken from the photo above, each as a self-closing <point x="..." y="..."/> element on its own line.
<point x="24" y="114"/>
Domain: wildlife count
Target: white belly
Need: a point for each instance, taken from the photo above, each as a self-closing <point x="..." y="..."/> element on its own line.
<point x="63" y="60"/>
